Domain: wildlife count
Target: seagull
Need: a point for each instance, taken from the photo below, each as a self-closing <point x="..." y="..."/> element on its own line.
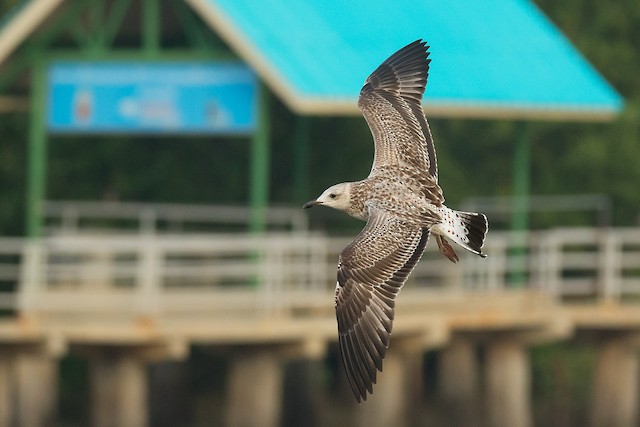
<point x="402" y="204"/>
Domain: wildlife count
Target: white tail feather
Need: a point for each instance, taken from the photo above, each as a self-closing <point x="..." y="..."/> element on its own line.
<point x="467" y="229"/>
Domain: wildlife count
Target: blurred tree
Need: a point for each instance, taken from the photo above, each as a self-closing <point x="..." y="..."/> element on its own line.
<point x="149" y="169"/>
<point x="7" y="5"/>
<point x="12" y="173"/>
<point x="12" y="160"/>
<point x="579" y="158"/>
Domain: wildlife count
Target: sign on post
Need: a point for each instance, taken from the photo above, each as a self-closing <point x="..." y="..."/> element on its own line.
<point x="151" y="97"/>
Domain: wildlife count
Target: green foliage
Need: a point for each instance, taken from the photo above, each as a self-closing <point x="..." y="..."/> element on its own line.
<point x="9" y="6"/>
<point x="607" y="33"/>
<point x="597" y="158"/>
<point x="12" y="173"/>
<point x="474" y="157"/>
<point x="148" y="169"/>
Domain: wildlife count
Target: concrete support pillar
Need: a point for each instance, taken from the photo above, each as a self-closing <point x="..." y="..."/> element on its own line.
<point x="390" y="403"/>
<point x="6" y="400"/>
<point x="28" y="388"/>
<point x="615" y="388"/>
<point x="459" y="382"/>
<point x="254" y="393"/>
<point x="36" y="389"/>
<point x="508" y="384"/>
<point x="118" y="390"/>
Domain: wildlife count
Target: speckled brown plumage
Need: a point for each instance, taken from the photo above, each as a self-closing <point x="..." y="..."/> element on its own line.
<point x="402" y="204"/>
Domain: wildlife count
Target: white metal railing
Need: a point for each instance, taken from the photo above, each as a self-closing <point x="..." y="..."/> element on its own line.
<point x="71" y="217"/>
<point x="11" y="257"/>
<point x="170" y="273"/>
<point x="231" y="274"/>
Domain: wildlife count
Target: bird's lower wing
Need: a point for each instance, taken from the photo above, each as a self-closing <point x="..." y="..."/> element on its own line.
<point x="371" y="271"/>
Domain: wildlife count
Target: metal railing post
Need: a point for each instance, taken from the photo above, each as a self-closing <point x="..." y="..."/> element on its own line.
<point x="609" y="269"/>
<point x="32" y="276"/>
<point x="149" y="277"/>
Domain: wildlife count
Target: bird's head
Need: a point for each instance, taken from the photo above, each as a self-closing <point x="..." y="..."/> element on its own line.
<point x="337" y="196"/>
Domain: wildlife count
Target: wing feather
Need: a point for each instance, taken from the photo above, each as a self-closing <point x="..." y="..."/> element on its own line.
<point x="371" y="271"/>
<point x="391" y="103"/>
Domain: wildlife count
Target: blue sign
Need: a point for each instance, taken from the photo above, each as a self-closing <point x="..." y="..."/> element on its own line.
<point x="151" y="97"/>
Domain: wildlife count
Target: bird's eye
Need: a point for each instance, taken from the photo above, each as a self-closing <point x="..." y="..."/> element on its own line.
<point x="333" y="195"/>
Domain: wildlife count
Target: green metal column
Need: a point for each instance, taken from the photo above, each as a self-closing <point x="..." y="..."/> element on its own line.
<point x="301" y="158"/>
<point x="521" y="178"/>
<point x="151" y="27"/>
<point x="37" y="156"/>
<point x="520" y="200"/>
<point x="259" y="168"/>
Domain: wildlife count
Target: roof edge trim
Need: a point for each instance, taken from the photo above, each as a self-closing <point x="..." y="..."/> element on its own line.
<point x="23" y="24"/>
<point x="337" y="107"/>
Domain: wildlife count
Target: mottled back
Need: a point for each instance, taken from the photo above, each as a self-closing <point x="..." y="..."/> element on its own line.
<point x="391" y="103"/>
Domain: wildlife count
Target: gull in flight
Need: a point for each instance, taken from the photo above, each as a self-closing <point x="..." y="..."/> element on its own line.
<point x="402" y="204"/>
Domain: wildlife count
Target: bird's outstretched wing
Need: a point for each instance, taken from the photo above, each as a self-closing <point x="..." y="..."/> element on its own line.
<point x="371" y="271"/>
<point x="391" y="102"/>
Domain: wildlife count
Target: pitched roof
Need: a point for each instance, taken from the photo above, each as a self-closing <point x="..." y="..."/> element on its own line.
<point x="495" y="58"/>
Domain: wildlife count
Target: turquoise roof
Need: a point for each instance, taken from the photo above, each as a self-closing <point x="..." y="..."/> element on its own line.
<point x="491" y="58"/>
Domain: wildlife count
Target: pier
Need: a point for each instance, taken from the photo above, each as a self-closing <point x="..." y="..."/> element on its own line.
<point x="124" y="301"/>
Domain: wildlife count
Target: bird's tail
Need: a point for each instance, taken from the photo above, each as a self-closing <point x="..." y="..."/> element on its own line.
<point x="468" y="229"/>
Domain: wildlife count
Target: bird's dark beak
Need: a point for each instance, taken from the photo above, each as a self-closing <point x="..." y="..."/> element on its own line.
<point x="310" y="203"/>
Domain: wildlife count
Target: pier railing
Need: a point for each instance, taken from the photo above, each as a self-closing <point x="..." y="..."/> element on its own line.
<point x="230" y="275"/>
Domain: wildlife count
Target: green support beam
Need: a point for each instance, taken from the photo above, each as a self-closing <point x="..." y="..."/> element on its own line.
<point x="259" y="168"/>
<point x="34" y="48"/>
<point x="151" y="27"/>
<point x="37" y="156"/>
<point x="114" y="20"/>
<point x="197" y="34"/>
<point x="520" y="201"/>
<point x="521" y="178"/>
<point x="67" y="21"/>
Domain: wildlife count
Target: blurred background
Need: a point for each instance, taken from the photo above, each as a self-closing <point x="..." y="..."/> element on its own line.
<point x="156" y="268"/>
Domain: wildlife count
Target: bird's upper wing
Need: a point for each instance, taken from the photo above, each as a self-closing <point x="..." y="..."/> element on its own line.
<point x="390" y="101"/>
<point x="371" y="271"/>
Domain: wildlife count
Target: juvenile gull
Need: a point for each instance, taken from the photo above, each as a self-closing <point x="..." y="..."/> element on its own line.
<point x="402" y="204"/>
